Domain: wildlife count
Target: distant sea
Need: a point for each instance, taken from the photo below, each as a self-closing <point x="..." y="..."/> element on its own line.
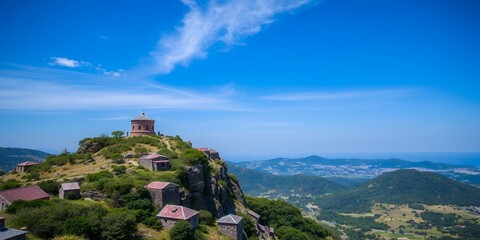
<point x="462" y="158"/>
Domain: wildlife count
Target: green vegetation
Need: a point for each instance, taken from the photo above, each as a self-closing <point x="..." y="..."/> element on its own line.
<point x="402" y="187"/>
<point x="255" y="183"/>
<point x="62" y="218"/>
<point x="9" y="184"/>
<point x="206" y="218"/>
<point x="182" y="230"/>
<point x="364" y="223"/>
<point x="282" y="215"/>
<point x="49" y="186"/>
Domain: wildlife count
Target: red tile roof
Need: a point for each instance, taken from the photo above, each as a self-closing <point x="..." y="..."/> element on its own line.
<point x="27" y="193"/>
<point x="158" y="185"/>
<point x="153" y="156"/>
<point x="177" y="212"/>
<point x="27" y="163"/>
<point x="203" y="149"/>
<point x="70" y="186"/>
<point x="230" y="219"/>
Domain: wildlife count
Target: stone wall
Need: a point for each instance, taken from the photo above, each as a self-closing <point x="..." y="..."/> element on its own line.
<point x="146" y="163"/>
<point x="168" y="195"/>
<point x="235" y="232"/>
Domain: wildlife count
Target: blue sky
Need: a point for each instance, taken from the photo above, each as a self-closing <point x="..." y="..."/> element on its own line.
<point x="251" y="79"/>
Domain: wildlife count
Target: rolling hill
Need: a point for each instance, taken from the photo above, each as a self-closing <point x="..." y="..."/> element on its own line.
<point x="259" y="183"/>
<point x="403" y="187"/>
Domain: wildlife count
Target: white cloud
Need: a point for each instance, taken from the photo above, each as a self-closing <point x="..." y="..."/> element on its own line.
<point x="226" y="22"/>
<point x="65" y="62"/>
<point x="27" y="88"/>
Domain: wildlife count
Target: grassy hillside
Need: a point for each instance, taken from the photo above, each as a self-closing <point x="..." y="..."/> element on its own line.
<point x="10" y="157"/>
<point x="116" y="205"/>
<point x="257" y="183"/>
<point x="403" y="187"/>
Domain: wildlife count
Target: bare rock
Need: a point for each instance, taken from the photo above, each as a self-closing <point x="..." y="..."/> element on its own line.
<point x="196" y="182"/>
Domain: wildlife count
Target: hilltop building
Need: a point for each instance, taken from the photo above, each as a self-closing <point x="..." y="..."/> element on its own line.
<point x="170" y="214"/>
<point x="28" y="193"/>
<point x="231" y="226"/>
<point x="163" y="193"/>
<point x="155" y="162"/>
<point x="69" y="190"/>
<point x="142" y="125"/>
<point x="10" y="233"/>
<point x="22" y="167"/>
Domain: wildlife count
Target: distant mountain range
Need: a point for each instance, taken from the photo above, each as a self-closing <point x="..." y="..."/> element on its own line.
<point x="358" y="168"/>
<point x="402" y="187"/>
<point x="10" y="157"/>
<point x="257" y="183"/>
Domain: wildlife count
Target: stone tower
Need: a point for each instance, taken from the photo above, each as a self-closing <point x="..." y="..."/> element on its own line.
<point x="143" y="125"/>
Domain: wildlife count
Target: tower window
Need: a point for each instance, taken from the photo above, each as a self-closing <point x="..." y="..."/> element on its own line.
<point x="139" y="127"/>
<point x="147" y="127"/>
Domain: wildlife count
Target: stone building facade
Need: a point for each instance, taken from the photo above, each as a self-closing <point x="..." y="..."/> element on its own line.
<point x="69" y="191"/>
<point x="163" y="193"/>
<point x="231" y="226"/>
<point x="142" y="125"/>
<point x="22" y="167"/>
<point x="171" y="214"/>
<point x="155" y="162"/>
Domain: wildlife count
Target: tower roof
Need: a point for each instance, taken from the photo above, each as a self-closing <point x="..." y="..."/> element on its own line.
<point x="230" y="219"/>
<point x="143" y="117"/>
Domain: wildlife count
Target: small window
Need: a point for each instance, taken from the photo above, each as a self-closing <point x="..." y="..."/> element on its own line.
<point x="147" y="127"/>
<point x="139" y="127"/>
<point x="133" y="127"/>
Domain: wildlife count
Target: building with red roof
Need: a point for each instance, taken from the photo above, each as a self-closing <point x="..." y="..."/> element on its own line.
<point x="70" y="190"/>
<point x="155" y="162"/>
<point x="27" y="193"/>
<point x="171" y="214"/>
<point x="231" y="226"/>
<point x="22" y="167"/>
<point x="163" y="193"/>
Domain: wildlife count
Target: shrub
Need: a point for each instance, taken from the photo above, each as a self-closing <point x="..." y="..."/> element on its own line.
<point x="9" y="184"/>
<point x="206" y="217"/>
<point x="153" y="223"/>
<point x="49" y="186"/>
<point x="117" y="170"/>
<point x="182" y="230"/>
<point x="118" y="225"/>
<point x="193" y="156"/>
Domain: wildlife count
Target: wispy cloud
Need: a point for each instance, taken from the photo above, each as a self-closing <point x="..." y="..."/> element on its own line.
<point x="71" y="63"/>
<point x="339" y="95"/>
<point x="226" y="22"/>
<point x="27" y="88"/>
<point x="65" y="62"/>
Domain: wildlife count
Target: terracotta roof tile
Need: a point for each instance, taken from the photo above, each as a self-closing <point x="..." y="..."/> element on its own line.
<point x="27" y="163"/>
<point x="153" y="156"/>
<point x="158" y="185"/>
<point x="230" y="219"/>
<point x="177" y="212"/>
<point x="27" y="193"/>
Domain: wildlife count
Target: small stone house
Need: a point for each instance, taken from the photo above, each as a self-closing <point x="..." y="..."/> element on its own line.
<point x="163" y="193"/>
<point x="69" y="190"/>
<point x="155" y="162"/>
<point x="10" y="233"/>
<point x="22" y="167"/>
<point x="27" y="193"/>
<point x="231" y="226"/>
<point x="171" y="214"/>
<point x="255" y="217"/>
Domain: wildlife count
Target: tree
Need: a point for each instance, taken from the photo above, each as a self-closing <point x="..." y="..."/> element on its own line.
<point x="117" y="134"/>
<point x="182" y="230"/>
<point x="119" y="225"/>
<point x="49" y="186"/>
<point x="206" y="217"/>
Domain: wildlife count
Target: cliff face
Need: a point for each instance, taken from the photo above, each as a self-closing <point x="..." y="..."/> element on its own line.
<point x="210" y="188"/>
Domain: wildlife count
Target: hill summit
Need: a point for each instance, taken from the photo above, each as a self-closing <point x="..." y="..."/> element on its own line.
<point x="403" y="187"/>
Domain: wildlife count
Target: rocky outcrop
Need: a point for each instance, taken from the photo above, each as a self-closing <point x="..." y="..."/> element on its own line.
<point x="210" y="188"/>
<point x="89" y="146"/>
